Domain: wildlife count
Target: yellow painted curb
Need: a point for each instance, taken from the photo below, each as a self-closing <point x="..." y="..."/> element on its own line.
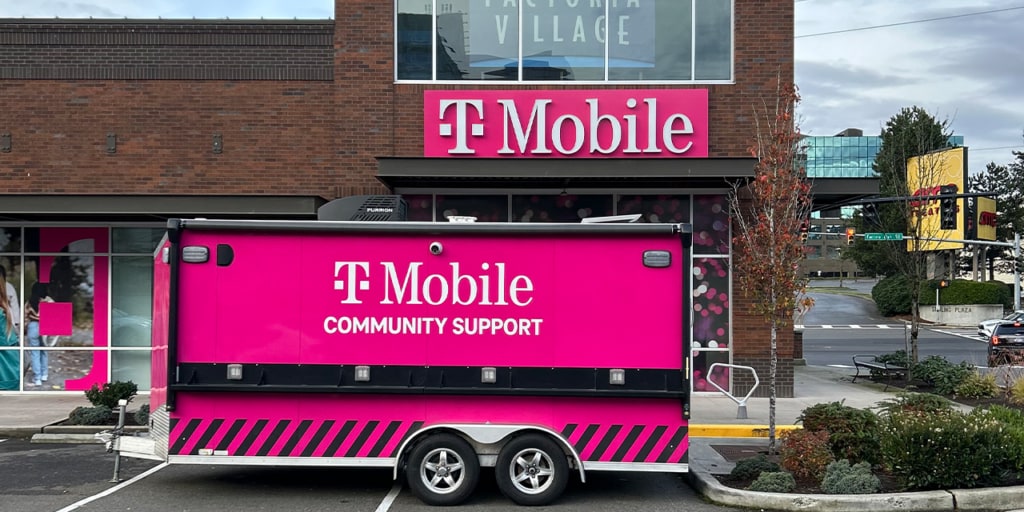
<point x="736" y="430"/>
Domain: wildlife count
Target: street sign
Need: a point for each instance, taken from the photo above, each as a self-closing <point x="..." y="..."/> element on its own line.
<point x="874" y="237"/>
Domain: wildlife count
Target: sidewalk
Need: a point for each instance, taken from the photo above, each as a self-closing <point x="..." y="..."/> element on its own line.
<point x="713" y="422"/>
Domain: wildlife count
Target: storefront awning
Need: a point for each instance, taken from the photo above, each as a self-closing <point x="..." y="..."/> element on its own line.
<point x="73" y="208"/>
<point x="579" y="172"/>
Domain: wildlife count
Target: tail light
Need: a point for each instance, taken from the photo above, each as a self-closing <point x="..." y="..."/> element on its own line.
<point x="995" y="339"/>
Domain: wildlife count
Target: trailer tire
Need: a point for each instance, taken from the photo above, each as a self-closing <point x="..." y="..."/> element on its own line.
<point x="443" y="470"/>
<point x="532" y="470"/>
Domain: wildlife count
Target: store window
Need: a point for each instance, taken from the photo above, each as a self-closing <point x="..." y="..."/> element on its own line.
<point x="564" y="40"/>
<point x="85" y="295"/>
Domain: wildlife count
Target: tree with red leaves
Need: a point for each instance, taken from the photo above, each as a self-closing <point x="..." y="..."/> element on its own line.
<point x="767" y="214"/>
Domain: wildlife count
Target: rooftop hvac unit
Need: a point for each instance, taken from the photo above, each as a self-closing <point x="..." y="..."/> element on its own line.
<point x="364" y="208"/>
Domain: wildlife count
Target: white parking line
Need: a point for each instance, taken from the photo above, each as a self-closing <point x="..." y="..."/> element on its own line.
<point x="852" y="326"/>
<point x="826" y="327"/>
<point x="113" y="489"/>
<point x="390" y="498"/>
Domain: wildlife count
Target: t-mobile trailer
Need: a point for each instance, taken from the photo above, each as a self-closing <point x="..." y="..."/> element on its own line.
<point x="430" y="348"/>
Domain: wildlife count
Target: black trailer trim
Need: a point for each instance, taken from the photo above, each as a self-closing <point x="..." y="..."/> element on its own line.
<point x="388" y="228"/>
<point x="434" y="380"/>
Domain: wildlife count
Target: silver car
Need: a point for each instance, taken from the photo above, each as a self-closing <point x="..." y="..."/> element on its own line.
<point x="986" y="326"/>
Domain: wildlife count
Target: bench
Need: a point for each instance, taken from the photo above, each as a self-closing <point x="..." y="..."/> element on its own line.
<point x="871" y="363"/>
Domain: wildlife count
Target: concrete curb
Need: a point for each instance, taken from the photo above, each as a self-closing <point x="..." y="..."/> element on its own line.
<point x="988" y="499"/>
<point x="927" y="501"/>
<point x="758" y="431"/>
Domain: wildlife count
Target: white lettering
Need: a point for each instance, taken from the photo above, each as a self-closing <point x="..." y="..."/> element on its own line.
<point x="462" y="125"/>
<point x="652" y="126"/>
<point x="670" y="131"/>
<point x="351" y="281"/>
<point x="556" y="134"/>
<point x="411" y="281"/>
<point x="622" y="30"/>
<point x="502" y="26"/>
<point x="511" y="118"/>
<point x="595" y="124"/>
<point x="579" y="34"/>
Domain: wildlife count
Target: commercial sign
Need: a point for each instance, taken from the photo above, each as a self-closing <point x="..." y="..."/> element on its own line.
<point x="986" y="220"/>
<point x="627" y="123"/>
<point x="928" y="175"/>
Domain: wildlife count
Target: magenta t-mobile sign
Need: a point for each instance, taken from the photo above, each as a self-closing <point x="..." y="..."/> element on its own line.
<point x="637" y="123"/>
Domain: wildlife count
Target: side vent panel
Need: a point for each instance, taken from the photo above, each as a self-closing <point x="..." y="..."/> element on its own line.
<point x="380" y="208"/>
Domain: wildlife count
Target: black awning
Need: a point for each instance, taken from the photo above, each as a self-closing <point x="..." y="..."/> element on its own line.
<point x="577" y="172"/>
<point x="154" y="207"/>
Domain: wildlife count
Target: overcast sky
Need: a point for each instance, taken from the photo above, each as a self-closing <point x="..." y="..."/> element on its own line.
<point x="967" y="68"/>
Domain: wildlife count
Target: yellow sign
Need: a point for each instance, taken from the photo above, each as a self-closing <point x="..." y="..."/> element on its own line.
<point x="930" y="175"/>
<point x="986" y="220"/>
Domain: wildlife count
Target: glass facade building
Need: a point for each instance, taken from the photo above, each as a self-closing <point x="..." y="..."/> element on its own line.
<point x="846" y="156"/>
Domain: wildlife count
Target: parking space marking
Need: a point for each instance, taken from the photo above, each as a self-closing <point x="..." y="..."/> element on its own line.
<point x="113" y="489"/>
<point x="385" y="505"/>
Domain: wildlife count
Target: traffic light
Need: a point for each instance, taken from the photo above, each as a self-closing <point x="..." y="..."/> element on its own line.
<point x="803" y="231"/>
<point x="943" y="283"/>
<point x="1018" y="264"/>
<point x="947" y="207"/>
<point x="850" y="232"/>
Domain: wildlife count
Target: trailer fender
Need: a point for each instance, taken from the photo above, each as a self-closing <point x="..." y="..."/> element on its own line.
<point x="486" y="435"/>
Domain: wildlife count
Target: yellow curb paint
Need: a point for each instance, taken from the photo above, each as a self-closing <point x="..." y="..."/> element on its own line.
<point x="737" y="430"/>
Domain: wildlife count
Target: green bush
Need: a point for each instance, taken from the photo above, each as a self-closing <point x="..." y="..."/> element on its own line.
<point x="111" y="393"/>
<point x="898" y="358"/>
<point x="142" y="415"/>
<point x="853" y="433"/>
<point x="752" y="467"/>
<point x="98" y="415"/>
<point x="976" y="385"/>
<point x="942" y="374"/>
<point x="919" y="403"/>
<point x="842" y="478"/>
<point x="806" y="453"/>
<point x="892" y="296"/>
<point x="967" y="292"/>
<point x="773" y="482"/>
<point x="951" y="450"/>
<point x="1012" y="417"/>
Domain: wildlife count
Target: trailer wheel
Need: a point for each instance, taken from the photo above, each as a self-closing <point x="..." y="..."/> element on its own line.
<point x="532" y="470"/>
<point x="443" y="469"/>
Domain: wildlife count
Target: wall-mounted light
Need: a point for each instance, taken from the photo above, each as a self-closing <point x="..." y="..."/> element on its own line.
<point x="218" y="143"/>
<point x="111" y="143"/>
<point x="5" y="142"/>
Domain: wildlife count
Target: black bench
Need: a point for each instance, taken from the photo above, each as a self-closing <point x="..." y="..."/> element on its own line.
<point x="871" y="363"/>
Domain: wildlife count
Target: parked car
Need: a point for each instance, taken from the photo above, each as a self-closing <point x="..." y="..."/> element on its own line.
<point x="1006" y="345"/>
<point x="985" y="327"/>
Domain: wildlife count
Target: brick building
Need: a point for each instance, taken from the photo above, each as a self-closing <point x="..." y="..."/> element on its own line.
<point x="110" y="127"/>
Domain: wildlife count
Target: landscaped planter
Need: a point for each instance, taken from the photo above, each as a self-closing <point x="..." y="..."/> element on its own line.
<point x="963" y="314"/>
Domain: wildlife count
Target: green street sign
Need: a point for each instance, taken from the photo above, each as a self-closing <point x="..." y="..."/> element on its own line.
<point x="874" y="237"/>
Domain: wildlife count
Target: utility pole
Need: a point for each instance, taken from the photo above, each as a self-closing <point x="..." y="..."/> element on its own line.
<point x="1016" y="271"/>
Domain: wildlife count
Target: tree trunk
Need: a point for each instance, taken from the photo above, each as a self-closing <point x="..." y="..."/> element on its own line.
<point x="772" y="365"/>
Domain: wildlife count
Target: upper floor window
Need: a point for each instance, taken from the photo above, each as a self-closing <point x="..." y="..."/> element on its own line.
<point x="559" y="40"/>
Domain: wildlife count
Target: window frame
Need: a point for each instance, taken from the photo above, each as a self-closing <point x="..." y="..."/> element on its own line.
<point x="519" y="81"/>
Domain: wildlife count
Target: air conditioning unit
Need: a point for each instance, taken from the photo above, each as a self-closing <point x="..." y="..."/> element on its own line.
<point x="380" y="208"/>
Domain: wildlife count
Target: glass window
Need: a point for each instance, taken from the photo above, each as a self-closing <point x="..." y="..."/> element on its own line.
<point x="136" y="240"/>
<point x="710" y="224"/>
<point x="484" y="208"/>
<point x="10" y="239"/>
<point x="655" y="209"/>
<point x="559" y="208"/>
<point x="420" y="207"/>
<point x="131" y="290"/>
<point x="131" y="365"/>
<point x="625" y="40"/>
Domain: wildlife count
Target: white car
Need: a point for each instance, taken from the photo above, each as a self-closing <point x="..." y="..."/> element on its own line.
<point x="986" y="326"/>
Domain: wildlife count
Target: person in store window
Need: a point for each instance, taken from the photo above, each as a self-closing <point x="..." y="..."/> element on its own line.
<point x="40" y="358"/>
<point x="10" y="367"/>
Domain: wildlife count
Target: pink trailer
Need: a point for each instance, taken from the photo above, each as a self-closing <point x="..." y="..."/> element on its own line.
<point x="430" y="348"/>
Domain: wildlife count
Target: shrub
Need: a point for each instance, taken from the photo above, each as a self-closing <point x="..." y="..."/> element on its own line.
<point x="752" y="467"/>
<point x="842" y="478"/>
<point x="853" y="433"/>
<point x="1012" y="417"/>
<point x="950" y="450"/>
<point x="976" y="385"/>
<point x="968" y="292"/>
<point x="918" y="403"/>
<point x="892" y="296"/>
<point x="111" y="393"/>
<point x="1015" y="391"/>
<point x="942" y="374"/>
<point x="773" y="482"/>
<point x="806" y="453"/>
<point x="98" y="415"/>
<point x="142" y="415"/>
<point x="898" y="358"/>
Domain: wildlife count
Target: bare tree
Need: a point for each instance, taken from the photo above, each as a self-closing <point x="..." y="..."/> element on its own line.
<point x="767" y="215"/>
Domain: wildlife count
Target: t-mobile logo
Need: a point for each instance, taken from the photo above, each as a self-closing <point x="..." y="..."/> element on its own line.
<point x="462" y="125"/>
<point x="351" y="275"/>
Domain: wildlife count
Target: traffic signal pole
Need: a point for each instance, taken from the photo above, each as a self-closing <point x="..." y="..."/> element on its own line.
<point x="1016" y="271"/>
